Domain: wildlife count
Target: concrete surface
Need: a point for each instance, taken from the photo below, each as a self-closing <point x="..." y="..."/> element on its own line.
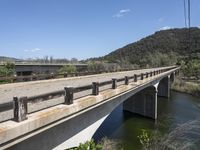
<point x="43" y="120"/>
<point x="8" y="91"/>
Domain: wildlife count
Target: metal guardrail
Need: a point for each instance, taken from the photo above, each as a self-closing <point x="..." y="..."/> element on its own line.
<point x="19" y="105"/>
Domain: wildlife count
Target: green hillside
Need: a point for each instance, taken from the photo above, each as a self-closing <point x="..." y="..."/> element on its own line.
<point x="163" y="48"/>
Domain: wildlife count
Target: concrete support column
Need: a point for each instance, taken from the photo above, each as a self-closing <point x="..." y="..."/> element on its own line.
<point x="143" y="103"/>
<point x="164" y="87"/>
<point x="172" y="77"/>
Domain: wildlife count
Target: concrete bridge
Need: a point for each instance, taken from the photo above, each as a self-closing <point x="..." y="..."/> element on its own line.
<point x="46" y="118"/>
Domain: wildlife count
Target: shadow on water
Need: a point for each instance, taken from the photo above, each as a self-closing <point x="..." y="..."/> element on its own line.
<point x="125" y="126"/>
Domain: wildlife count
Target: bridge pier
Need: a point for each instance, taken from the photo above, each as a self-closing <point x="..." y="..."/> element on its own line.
<point x="172" y="77"/>
<point x="143" y="103"/>
<point x="164" y="87"/>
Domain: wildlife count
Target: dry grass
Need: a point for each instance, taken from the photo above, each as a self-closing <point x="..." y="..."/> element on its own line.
<point x="186" y="87"/>
<point x="108" y="144"/>
<point x="184" y="137"/>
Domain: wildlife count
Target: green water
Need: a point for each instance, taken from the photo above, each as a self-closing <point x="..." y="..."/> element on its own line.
<point x="124" y="126"/>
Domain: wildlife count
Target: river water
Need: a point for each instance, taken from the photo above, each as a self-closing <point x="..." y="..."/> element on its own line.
<point x="179" y="110"/>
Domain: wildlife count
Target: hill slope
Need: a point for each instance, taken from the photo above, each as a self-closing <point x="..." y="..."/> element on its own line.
<point x="162" y="48"/>
<point x="11" y="59"/>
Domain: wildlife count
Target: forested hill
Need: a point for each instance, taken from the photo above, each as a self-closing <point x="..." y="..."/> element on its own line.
<point x="162" y="48"/>
<point x="11" y="59"/>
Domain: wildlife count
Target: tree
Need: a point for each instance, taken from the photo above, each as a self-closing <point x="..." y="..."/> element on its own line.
<point x="89" y="145"/>
<point x="7" y="69"/>
<point x="74" y="60"/>
<point x="192" y="69"/>
<point x="51" y="59"/>
<point x="96" y="67"/>
<point x="67" y="69"/>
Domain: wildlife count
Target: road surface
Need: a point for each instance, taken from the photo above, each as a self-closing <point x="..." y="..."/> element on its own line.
<point x="8" y="91"/>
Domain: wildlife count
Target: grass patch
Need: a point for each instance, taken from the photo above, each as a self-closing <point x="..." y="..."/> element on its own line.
<point x="186" y="87"/>
<point x="104" y="144"/>
<point x="184" y="137"/>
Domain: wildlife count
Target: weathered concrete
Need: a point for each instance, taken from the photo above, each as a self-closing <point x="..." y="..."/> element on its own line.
<point x="172" y="77"/>
<point x="143" y="103"/>
<point x="8" y="91"/>
<point x="164" y="87"/>
<point x="62" y="126"/>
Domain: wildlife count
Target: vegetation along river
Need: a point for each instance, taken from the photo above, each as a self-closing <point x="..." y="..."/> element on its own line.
<point x="178" y="124"/>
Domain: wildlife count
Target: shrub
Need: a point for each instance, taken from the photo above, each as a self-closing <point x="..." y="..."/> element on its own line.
<point x="7" y="69"/>
<point x="67" y="69"/>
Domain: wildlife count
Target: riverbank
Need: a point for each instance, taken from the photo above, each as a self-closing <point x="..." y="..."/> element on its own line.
<point x="186" y="87"/>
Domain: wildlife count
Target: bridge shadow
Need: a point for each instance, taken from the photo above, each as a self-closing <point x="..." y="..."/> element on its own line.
<point x="117" y="118"/>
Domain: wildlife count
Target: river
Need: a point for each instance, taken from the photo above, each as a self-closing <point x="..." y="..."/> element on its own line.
<point x="179" y="109"/>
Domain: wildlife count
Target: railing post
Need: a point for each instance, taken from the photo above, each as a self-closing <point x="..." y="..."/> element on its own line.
<point x="114" y="83"/>
<point x="151" y="74"/>
<point x="154" y="73"/>
<point x="147" y="74"/>
<point x="65" y="75"/>
<point x="126" y="80"/>
<point x="20" y="108"/>
<point x="52" y="75"/>
<point x="135" y="77"/>
<point x="178" y="72"/>
<point x="69" y="95"/>
<point x="142" y="76"/>
<point x="95" y="88"/>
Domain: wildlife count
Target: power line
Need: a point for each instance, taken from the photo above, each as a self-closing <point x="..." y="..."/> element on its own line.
<point x="189" y="24"/>
<point x="189" y="13"/>
<point x="185" y="17"/>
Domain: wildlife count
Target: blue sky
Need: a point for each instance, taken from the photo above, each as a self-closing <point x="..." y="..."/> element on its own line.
<point x="84" y="28"/>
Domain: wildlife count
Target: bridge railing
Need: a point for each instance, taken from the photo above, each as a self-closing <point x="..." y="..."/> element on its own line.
<point x="19" y="105"/>
<point x="36" y="77"/>
<point x="51" y="76"/>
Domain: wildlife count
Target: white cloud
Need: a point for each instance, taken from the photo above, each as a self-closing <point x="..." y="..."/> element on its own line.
<point x="165" y="28"/>
<point x="121" y="13"/>
<point x="124" y="10"/>
<point x="32" y="50"/>
<point x="161" y="19"/>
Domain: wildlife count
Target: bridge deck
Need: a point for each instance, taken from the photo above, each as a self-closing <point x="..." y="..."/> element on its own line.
<point x="8" y="91"/>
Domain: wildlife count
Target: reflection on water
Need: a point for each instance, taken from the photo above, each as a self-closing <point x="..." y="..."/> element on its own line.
<point x="178" y="109"/>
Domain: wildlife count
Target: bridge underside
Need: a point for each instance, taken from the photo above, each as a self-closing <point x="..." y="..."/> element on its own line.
<point x="164" y="87"/>
<point x="143" y="103"/>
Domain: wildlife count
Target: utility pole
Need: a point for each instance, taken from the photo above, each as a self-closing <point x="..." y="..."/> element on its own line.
<point x="189" y="27"/>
